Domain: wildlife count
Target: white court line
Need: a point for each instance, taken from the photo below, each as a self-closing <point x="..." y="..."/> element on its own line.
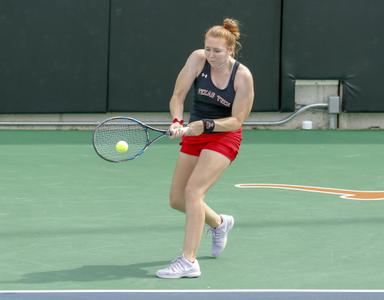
<point x="187" y="291"/>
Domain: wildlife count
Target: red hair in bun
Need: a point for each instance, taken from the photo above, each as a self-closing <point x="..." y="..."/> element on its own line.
<point x="229" y="31"/>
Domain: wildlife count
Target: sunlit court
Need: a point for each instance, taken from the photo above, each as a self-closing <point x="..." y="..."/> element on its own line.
<point x="191" y="150"/>
<point x="72" y="221"/>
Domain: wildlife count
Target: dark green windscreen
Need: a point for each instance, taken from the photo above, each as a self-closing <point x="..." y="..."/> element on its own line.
<point x="335" y="39"/>
<point x="151" y="40"/>
<point x="54" y="56"/>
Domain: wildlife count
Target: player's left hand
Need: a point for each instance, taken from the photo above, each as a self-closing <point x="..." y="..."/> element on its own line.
<point x="195" y="128"/>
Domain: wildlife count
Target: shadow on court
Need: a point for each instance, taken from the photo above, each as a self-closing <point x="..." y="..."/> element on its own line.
<point x="96" y="273"/>
<point x="92" y="273"/>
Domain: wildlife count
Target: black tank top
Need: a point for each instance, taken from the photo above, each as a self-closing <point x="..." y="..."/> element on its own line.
<point x="210" y="102"/>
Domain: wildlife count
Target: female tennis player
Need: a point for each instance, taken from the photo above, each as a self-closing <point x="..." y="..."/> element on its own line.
<point x="223" y="98"/>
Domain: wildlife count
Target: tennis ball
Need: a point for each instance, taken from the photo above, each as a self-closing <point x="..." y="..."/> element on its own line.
<point x="121" y="146"/>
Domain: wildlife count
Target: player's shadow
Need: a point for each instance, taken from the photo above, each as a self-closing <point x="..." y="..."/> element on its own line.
<point x="93" y="273"/>
<point x="96" y="273"/>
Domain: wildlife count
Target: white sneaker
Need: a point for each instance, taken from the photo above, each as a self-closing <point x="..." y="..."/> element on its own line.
<point x="220" y="234"/>
<point x="180" y="267"/>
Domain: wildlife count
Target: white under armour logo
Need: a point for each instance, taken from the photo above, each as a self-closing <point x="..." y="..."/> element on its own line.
<point x="204" y="75"/>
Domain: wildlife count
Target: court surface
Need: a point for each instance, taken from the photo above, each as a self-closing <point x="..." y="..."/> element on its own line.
<point x="71" y="221"/>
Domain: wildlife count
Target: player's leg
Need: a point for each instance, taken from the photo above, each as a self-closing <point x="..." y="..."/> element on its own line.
<point x="183" y="170"/>
<point x="207" y="171"/>
<point x="186" y="165"/>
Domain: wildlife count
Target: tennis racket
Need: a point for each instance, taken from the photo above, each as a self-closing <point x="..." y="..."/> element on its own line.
<point x="137" y="135"/>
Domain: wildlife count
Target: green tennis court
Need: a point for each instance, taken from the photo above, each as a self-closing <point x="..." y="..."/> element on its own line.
<point x="70" y="220"/>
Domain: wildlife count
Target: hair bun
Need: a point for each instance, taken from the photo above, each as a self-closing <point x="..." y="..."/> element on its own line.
<point x="232" y="25"/>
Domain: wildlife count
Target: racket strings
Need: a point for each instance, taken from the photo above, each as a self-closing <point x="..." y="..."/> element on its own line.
<point x="110" y="133"/>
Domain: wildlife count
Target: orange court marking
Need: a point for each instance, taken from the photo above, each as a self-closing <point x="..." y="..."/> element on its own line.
<point x="345" y="194"/>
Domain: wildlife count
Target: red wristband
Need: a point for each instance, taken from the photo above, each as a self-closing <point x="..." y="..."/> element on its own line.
<point x="176" y="120"/>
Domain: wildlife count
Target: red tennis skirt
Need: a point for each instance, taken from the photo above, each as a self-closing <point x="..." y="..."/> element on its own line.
<point x="226" y="143"/>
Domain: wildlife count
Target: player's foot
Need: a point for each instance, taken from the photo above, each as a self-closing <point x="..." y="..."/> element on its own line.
<point x="220" y="234"/>
<point x="180" y="267"/>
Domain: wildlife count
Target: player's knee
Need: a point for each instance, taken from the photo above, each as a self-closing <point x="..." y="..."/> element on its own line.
<point x="175" y="202"/>
<point x="193" y="193"/>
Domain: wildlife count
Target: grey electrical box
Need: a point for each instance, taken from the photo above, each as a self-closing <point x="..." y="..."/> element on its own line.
<point x="334" y="105"/>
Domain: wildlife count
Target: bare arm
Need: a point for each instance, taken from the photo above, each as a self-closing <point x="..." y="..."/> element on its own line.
<point x="241" y="108"/>
<point x="242" y="104"/>
<point x="184" y="81"/>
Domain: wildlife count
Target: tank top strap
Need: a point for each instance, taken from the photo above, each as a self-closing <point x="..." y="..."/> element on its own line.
<point x="206" y="68"/>
<point x="234" y="70"/>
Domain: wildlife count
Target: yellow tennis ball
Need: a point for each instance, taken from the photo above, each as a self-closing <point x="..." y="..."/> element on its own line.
<point x="121" y="146"/>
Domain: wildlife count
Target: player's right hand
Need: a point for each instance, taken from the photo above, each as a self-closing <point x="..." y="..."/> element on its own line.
<point x="176" y="130"/>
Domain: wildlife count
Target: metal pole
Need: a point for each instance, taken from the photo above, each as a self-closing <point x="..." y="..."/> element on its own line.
<point x="159" y="123"/>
